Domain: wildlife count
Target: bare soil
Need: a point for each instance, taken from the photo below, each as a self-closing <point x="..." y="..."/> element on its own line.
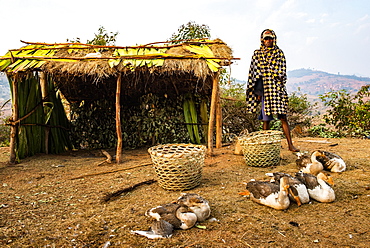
<point x="42" y="205"/>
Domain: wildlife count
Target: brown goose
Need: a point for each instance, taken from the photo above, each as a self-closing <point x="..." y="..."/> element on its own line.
<point x="270" y="194"/>
<point x="297" y="190"/>
<point x="318" y="187"/>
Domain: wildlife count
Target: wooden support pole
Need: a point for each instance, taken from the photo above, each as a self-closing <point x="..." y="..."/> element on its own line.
<point x="45" y="98"/>
<point x="212" y="113"/>
<point x="14" y="127"/>
<point x="218" y="121"/>
<point x="118" y="120"/>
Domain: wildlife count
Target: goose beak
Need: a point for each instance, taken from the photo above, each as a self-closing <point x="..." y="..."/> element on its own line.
<point x="246" y="192"/>
<point x="330" y="180"/>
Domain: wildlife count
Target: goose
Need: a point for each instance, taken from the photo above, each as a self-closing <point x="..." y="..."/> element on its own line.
<point x="159" y="229"/>
<point x="168" y="217"/>
<point x="269" y="194"/>
<point x="297" y="190"/>
<point x="309" y="165"/>
<point x="183" y="213"/>
<point x="197" y="204"/>
<point x="331" y="161"/>
<point x="318" y="187"/>
<point x="302" y="159"/>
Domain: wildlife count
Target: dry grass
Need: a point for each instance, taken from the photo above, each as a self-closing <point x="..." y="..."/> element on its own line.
<point x="41" y="206"/>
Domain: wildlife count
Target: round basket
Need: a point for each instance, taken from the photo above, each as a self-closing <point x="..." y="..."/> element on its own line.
<point x="178" y="166"/>
<point x="261" y="148"/>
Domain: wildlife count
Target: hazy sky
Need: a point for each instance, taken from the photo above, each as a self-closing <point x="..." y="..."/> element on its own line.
<point x="327" y="35"/>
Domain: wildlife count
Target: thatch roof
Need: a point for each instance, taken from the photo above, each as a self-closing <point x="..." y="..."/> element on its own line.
<point x="82" y="70"/>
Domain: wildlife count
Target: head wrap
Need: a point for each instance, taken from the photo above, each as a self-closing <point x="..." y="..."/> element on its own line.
<point x="268" y="64"/>
<point x="268" y="33"/>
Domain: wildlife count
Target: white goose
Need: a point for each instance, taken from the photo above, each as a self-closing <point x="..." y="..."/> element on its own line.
<point x="318" y="187"/>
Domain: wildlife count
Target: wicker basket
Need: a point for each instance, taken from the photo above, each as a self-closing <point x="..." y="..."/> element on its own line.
<point x="262" y="148"/>
<point x="178" y="166"/>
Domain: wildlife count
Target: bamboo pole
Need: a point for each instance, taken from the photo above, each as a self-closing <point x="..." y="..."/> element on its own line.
<point x="118" y="120"/>
<point x="45" y="97"/>
<point x="212" y="113"/>
<point x="14" y="127"/>
<point x="218" y="121"/>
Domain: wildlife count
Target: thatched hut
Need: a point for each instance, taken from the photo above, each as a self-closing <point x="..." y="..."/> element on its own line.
<point x="42" y="76"/>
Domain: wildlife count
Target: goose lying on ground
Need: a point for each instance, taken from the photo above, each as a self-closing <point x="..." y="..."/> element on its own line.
<point x="270" y="194"/>
<point x="318" y="187"/>
<point x="331" y="161"/>
<point x="183" y="214"/>
<point x="297" y="190"/>
<point x="309" y="164"/>
<point x="197" y="205"/>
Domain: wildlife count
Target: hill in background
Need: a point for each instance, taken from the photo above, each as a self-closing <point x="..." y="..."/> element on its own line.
<point x="318" y="82"/>
<point x="314" y="83"/>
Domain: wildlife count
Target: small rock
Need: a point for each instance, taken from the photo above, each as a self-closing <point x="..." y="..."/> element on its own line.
<point x="213" y="220"/>
<point x="293" y="223"/>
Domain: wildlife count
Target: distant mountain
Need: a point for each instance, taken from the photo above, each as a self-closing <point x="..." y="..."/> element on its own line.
<point x="314" y="83"/>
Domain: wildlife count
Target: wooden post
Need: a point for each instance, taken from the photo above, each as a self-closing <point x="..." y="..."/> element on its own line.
<point x="118" y="120"/>
<point x="218" y="121"/>
<point x="14" y="127"/>
<point x="45" y="98"/>
<point x="212" y="113"/>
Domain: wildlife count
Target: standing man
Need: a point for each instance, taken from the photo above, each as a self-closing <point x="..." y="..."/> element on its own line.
<point x="266" y="83"/>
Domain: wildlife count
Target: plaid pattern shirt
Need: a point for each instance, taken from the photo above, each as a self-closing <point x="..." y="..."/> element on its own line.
<point x="269" y="64"/>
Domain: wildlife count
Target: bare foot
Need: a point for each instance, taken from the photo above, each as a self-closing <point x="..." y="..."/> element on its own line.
<point x="293" y="149"/>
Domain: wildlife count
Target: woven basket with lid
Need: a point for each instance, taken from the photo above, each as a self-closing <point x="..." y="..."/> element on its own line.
<point x="178" y="166"/>
<point x="261" y="148"/>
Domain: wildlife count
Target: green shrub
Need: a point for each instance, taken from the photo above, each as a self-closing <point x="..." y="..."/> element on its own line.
<point x="4" y="129"/>
<point x="4" y="135"/>
<point x="322" y="131"/>
<point x="349" y="114"/>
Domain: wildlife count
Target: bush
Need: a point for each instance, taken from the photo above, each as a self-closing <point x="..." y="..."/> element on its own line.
<point x="4" y="135"/>
<point x="4" y="130"/>
<point x="349" y="114"/>
<point x="300" y="110"/>
<point x="322" y="131"/>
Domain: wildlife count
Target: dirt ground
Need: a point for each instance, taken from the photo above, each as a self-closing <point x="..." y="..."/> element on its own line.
<point x="42" y="205"/>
